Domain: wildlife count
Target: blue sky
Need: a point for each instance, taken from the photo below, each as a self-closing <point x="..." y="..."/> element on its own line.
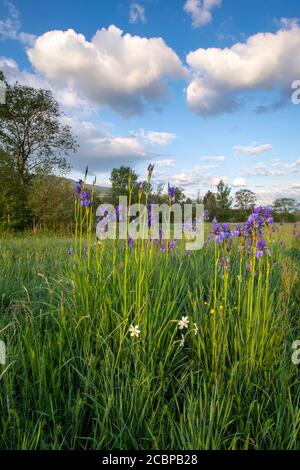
<point x="211" y="99"/>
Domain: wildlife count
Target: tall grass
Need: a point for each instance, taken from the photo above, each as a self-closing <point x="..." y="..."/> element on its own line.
<point x="76" y="379"/>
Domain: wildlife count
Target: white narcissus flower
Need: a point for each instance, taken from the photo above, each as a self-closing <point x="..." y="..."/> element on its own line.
<point x="134" y="331"/>
<point x="183" y="323"/>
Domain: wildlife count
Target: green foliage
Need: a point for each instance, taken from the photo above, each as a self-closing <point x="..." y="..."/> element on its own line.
<point x="33" y="145"/>
<point x="76" y="379"/>
<point x="31" y="132"/>
<point x="119" y="179"/>
<point x="210" y="204"/>
<point x="160" y="196"/>
<point x="51" y="202"/>
<point x="245" y="200"/>
<point x="224" y="201"/>
<point x="14" y="212"/>
<point x="285" y="209"/>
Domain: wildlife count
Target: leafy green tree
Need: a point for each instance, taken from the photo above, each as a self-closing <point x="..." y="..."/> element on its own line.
<point x="210" y="204"/>
<point x="179" y="195"/>
<point x="224" y="201"/>
<point x="285" y="208"/>
<point x="120" y="178"/>
<point x="14" y="212"/>
<point x="285" y="205"/>
<point x="33" y="141"/>
<point x="245" y="200"/>
<point x="51" y="202"/>
<point x="32" y="133"/>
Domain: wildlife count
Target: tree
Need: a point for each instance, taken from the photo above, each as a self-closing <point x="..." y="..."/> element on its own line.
<point x="285" y="209"/>
<point x="210" y="204"/>
<point x="179" y="194"/>
<point x="285" y="205"/>
<point x="51" y="202"/>
<point x="14" y="213"/>
<point x="245" y="200"/>
<point x="119" y="180"/>
<point x="32" y="133"/>
<point x="224" y="201"/>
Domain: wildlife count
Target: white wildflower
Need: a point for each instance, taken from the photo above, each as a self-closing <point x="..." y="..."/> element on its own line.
<point x="134" y="331"/>
<point x="183" y="323"/>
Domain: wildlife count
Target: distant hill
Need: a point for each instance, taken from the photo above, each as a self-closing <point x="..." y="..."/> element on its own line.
<point x="99" y="190"/>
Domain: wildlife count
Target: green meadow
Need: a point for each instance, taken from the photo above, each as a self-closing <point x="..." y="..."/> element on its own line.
<point x="77" y="376"/>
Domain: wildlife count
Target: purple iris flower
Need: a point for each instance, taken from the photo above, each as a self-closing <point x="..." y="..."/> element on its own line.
<point x="130" y="242"/>
<point x="151" y="215"/>
<point x="172" y="245"/>
<point x="257" y="210"/>
<point x="249" y="269"/>
<point x="217" y="233"/>
<point x="224" y="263"/>
<point x="252" y="218"/>
<point x="78" y="188"/>
<point x="121" y="213"/>
<point x="140" y="185"/>
<point x="261" y="248"/>
<point x="85" y="199"/>
<point x="259" y="219"/>
<point x="268" y="212"/>
<point x="226" y="231"/>
<point x="150" y="169"/>
<point x="71" y="251"/>
<point x="238" y="231"/>
<point x="171" y="192"/>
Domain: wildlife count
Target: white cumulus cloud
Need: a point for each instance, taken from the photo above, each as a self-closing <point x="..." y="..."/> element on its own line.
<point x="156" y="138"/>
<point x="102" y="150"/>
<point x="10" y="27"/>
<point x="165" y="163"/>
<point x="137" y="13"/>
<point x="252" y="149"/>
<point x="217" y="158"/>
<point x="216" y="180"/>
<point x="239" y="182"/>
<point x="200" y="10"/>
<point x="266" y="61"/>
<point x="114" y="69"/>
<point x="262" y="170"/>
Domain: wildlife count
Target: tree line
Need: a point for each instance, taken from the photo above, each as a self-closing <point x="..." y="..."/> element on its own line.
<point x="221" y="205"/>
<point x="35" y="192"/>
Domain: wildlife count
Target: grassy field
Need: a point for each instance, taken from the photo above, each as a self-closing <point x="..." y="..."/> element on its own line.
<point x="75" y="378"/>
